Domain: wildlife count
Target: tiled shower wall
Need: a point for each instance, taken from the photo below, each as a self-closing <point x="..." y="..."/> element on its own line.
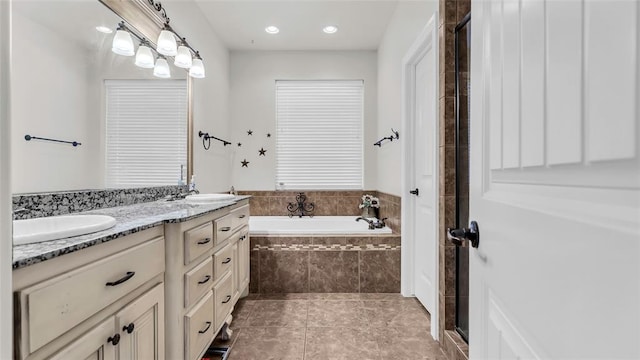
<point x="327" y="203"/>
<point x="451" y="13"/>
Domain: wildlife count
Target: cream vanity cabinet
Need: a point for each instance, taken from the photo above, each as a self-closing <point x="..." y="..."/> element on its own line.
<point x="102" y="302"/>
<point x="207" y="270"/>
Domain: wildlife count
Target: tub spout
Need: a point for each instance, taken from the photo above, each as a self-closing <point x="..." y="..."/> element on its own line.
<point x="370" y="222"/>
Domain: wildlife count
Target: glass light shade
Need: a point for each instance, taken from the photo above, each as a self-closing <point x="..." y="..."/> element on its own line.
<point x="122" y="43"/>
<point x="167" y="43"/>
<point x="197" y="69"/>
<point x="161" y="69"/>
<point x="183" y="59"/>
<point x="144" y="57"/>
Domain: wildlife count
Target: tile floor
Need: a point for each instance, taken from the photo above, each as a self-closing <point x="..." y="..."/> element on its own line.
<point x="331" y="327"/>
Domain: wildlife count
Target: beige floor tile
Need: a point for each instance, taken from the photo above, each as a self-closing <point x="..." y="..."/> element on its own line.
<point x="281" y="313"/>
<point x="384" y="313"/>
<point x="269" y="343"/>
<point x="336" y="313"/>
<point x="341" y="344"/>
<point x="408" y="343"/>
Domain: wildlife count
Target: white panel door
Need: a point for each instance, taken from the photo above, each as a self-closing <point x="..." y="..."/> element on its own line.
<point x="555" y="179"/>
<point x="425" y="142"/>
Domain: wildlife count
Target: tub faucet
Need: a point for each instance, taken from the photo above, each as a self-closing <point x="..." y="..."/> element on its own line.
<point x="370" y="222"/>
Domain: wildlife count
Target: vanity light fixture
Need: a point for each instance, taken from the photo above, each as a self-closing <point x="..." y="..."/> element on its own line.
<point x="167" y="44"/>
<point x="144" y="57"/>
<point x="122" y="42"/>
<point x="330" y="29"/>
<point x="104" y="29"/>
<point x="197" y="67"/>
<point x="183" y="58"/>
<point x="161" y="69"/>
<point x="272" y="29"/>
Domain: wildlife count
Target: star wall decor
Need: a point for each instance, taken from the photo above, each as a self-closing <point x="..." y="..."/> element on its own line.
<point x="250" y="132"/>
<point x="262" y="152"/>
<point x="239" y="144"/>
<point x="245" y="163"/>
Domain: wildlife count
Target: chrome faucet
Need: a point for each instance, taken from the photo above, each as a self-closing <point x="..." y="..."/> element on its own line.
<point x="373" y="224"/>
<point x="370" y="222"/>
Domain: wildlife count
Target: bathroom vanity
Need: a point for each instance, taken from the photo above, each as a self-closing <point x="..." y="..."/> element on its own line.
<point x="160" y="284"/>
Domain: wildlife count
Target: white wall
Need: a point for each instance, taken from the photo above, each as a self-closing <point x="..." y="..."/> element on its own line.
<point x="6" y="313"/>
<point x="51" y="90"/>
<point x="210" y="95"/>
<point x="408" y="21"/>
<point x="253" y="76"/>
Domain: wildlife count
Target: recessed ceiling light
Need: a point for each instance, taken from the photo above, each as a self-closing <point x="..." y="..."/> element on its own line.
<point x="330" y="29"/>
<point x="104" y="29"/>
<point x="272" y="29"/>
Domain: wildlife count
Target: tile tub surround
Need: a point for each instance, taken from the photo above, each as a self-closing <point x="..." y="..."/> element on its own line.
<point x="331" y="326"/>
<point x="327" y="264"/>
<point x="129" y="219"/>
<point x="327" y="203"/>
<point x="66" y="202"/>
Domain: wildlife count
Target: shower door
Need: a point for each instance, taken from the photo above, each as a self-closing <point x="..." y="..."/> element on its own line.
<point x="462" y="61"/>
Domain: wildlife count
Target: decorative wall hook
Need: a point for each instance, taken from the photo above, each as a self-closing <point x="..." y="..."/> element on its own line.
<point x="300" y="208"/>
<point x="206" y="140"/>
<point x="395" y="135"/>
<point x="29" y="138"/>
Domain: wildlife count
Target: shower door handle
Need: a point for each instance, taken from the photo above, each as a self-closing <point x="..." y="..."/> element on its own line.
<point x="415" y="192"/>
<point x="458" y="236"/>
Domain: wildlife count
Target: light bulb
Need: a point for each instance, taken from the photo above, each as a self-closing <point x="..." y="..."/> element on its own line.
<point x="161" y="69"/>
<point x="330" y="29"/>
<point x="167" y="43"/>
<point x="197" y="69"/>
<point x="122" y="43"/>
<point x="272" y="29"/>
<point x="144" y="57"/>
<point x="183" y="58"/>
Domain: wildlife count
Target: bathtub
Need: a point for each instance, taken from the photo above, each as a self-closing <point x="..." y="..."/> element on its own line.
<point x="317" y="225"/>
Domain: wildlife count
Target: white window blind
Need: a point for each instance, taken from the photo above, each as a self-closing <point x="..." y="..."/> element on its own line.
<point x="146" y="132"/>
<point x="319" y="142"/>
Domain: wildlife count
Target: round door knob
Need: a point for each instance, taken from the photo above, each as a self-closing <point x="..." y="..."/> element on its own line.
<point x="129" y="328"/>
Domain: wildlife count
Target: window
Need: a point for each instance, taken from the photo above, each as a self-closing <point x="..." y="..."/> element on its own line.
<point x="319" y="141"/>
<point x="146" y="132"/>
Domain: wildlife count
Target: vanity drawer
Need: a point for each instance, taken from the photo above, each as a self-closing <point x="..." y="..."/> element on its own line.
<point x="223" y="228"/>
<point x="223" y="262"/>
<point x="197" y="241"/>
<point x="240" y="217"/>
<point x="197" y="281"/>
<point x="223" y="293"/>
<point x="57" y="305"/>
<point x="199" y="328"/>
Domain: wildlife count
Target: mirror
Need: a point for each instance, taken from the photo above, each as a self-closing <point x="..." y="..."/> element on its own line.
<point x="68" y="85"/>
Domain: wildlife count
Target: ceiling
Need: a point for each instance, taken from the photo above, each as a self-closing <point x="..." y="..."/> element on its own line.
<point x="240" y="24"/>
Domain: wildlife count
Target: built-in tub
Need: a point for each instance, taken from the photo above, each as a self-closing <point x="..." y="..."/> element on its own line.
<point x="317" y="225"/>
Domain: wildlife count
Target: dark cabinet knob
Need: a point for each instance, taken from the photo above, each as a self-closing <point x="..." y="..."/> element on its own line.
<point x="129" y="328"/>
<point x="115" y="339"/>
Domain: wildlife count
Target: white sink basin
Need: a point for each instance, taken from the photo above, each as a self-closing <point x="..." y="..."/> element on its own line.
<point x="58" y="227"/>
<point x="208" y="198"/>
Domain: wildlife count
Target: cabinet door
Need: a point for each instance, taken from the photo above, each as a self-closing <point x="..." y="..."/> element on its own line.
<point x="97" y="344"/>
<point x="243" y="260"/>
<point x="141" y="327"/>
<point x="235" y="273"/>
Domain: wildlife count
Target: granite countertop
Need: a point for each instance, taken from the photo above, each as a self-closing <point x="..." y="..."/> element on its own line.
<point x="129" y="219"/>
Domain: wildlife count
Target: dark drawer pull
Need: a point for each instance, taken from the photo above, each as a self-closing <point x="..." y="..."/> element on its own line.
<point x="205" y="280"/>
<point x="115" y="339"/>
<point x="205" y="329"/>
<point x="226" y="261"/>
<point x="129" y="328"/>
<point x="204" y="241"/>
<point x="226" y="228"/>
<point x="227" y="299"/>
<point x="242" y="216"/>
<point x="124" y="278"/>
